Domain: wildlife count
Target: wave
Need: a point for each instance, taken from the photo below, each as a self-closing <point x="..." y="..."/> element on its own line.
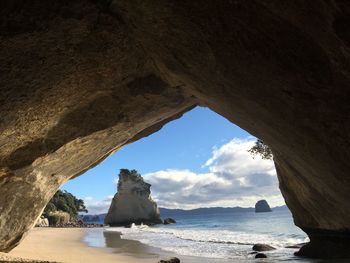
<point x="216" y="243"/>
<point x="216" y="236"/>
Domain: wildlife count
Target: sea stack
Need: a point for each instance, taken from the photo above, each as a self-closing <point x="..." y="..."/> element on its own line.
<point x="262" y="206"/>
<point x="132" y="203"/>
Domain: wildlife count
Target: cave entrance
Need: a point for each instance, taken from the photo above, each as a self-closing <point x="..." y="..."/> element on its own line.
<point x="203" y="176"/>
<point x="83" y="78"/>
<point x="202" y="152"/>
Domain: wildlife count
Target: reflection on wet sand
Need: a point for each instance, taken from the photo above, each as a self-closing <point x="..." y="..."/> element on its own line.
<point x="114" y="240"/>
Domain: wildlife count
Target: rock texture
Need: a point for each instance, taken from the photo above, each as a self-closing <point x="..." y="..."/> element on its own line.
<point x="263" y="247"/>
<point x="170" y="260"/>
<point x="132" y="203"/>
<point x="80" y="79"/>
<point x="42" y="222"/>
<point x="262" y="206"/>
<point x="168" y="221"/>
<point x="6" y="258"/>
<point x="260" y="255"/>
<point x="58" y="218"/>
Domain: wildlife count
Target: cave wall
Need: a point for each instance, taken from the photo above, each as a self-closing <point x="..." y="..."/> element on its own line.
<point x="79" y="79"/>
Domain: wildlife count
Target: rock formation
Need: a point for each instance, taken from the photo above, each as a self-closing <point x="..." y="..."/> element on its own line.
<point x="260" y="255"/>
<point x="170" y="260"/>
<point x="80" y="79"/>
<point x="42" y="222"/>
<point x="132" y="203"/>
<point x="58" y="218"/>
<point x="263" y="247"/>
<point x="262" y="206"/>
<point x="168" y="221"/>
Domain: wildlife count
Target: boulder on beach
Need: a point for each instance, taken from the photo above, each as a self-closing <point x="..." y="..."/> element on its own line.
<point x="262" y="206"/>
<point x="262" y="247"/>
<point x="168" y="221"/>
<point x="260" y="255"/>
<point x="58" y="218"/>
<point x="132" y="203"/>
<point x="42" y="222"/>
<point x="170" y="260"/>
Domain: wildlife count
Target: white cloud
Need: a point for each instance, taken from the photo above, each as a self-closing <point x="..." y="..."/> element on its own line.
<point x="235" y="178"/>
<point x="97" y="206"/>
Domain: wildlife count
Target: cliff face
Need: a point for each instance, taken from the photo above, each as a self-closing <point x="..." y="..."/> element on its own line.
<point x="132" y="203"/>
<point x="80" y="79"/>
<point x="262" y="206"/>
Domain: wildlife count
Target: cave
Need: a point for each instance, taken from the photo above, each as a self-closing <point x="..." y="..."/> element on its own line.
<point x="79" y="79"/>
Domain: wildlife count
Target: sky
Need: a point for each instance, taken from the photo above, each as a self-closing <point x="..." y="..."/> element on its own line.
<point x="199" y="160"/>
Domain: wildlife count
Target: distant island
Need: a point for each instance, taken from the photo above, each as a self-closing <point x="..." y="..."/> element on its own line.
<point x="262" y="206"/>
<point x="168" y="212"/>
<point x="212" y="210"/>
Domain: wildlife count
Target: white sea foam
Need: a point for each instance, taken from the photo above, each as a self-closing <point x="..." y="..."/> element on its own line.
<point x="206" y="242"/>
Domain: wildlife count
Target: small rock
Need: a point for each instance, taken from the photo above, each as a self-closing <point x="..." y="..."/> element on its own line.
<point x="170" y="260"/>
<point x="262" y="247"/>
<point x="169" y="220"/>
<point x="42" y="222"/>
<point x="260" y="255"/>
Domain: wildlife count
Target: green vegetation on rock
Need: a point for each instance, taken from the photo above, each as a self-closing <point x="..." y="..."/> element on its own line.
<point x="64" y="201"/>
<point x="58" y="218"/>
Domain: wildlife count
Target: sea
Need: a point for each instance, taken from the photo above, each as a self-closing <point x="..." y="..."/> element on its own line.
<point x="223" y="236"/>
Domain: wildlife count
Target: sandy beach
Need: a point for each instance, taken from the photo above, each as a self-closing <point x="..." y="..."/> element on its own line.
<point x="47" y="245"/>
<point x="64" y="245"/>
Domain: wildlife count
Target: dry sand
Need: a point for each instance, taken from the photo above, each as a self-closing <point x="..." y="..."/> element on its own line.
<point x="64" y="245"/>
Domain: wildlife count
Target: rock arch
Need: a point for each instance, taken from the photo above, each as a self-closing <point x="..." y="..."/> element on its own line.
<point x="80" y="78"/>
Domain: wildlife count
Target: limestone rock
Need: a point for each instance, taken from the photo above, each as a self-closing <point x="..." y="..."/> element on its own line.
<point x="168" y="221"/>
<point x="262" y="247"/>
<point x="80" y="79"/>
<point x="58" y="218"/>
<point x="42" y="222"/>
<point x="132" y="203"/>
<point x="262" y="206"/>
<point x="321" y="245"/>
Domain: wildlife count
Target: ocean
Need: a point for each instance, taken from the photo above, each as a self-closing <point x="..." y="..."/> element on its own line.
<point x="225" y="236"/>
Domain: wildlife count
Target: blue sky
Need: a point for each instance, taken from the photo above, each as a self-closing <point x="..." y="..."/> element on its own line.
<point x="184" y="145"/>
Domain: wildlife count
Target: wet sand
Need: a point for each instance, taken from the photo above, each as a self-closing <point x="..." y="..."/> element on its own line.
<point x="114" y="241"/>
<point x="87" y="245"/>
<point x="96" y="245"/>
<point x="66" y="245"/>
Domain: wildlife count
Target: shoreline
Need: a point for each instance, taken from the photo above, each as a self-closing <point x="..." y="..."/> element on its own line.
<point x="139" y="250"/>
<point x="48" y="245"/>
<point x="90" y="245"/>
<point x="65" y="245"/>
